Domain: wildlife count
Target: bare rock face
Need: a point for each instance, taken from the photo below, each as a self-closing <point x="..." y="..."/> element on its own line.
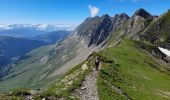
<point x="93" y="31"/>
<point x="143" y="13"/>
<point x="138" y="22"/>
<point x="102" y="31"/>
<point x="119" y="19"/>
<point x="168" y="59"/>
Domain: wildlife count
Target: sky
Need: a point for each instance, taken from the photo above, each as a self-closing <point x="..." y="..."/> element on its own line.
<point x="72" y="12"/>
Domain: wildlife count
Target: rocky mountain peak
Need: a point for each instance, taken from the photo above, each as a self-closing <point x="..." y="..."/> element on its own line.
<point x="106" y="16"/>
<point x="118" y="19"/>
<point x="122" y="16"/>
<point x="143" y="13"/>
<point x="168" y="10"/>
<point x="91" y="18"/>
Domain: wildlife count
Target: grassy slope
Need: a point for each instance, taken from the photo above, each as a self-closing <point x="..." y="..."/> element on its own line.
<point x="135" y="75"/>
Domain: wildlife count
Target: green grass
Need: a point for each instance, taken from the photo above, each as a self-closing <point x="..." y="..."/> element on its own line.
<point x="16" y="94"/>
<point x="108" y="74"/>
<point x="137" y="74"/>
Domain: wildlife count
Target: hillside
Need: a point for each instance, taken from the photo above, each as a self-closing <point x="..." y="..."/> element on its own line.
<point x="137" y="74"/>
<point x="12" y="49"/>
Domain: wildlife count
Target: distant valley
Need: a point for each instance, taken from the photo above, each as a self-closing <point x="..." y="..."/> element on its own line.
<point x="15" y="42"/>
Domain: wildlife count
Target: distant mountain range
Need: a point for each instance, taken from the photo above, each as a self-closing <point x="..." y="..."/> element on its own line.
<point x="29" y="30"/>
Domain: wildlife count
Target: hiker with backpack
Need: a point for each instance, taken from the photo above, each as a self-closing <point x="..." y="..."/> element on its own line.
<point x="97" y="62"/>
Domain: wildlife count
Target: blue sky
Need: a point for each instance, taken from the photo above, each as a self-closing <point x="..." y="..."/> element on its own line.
<point x="71" y="12"/>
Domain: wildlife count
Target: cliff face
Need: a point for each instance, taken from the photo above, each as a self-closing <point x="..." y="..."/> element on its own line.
<point x="138" y="22"/>
<point x="96" y="30"/>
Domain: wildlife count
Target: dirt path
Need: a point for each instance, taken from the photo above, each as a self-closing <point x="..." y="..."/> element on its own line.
<point x="88" y="90"/>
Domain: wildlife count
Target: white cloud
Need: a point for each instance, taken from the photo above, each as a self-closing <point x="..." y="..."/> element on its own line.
<point x="41" y="26"/>
<point x="5" y="26"/>
<point x="165" y="51"/>
<point x="93" y="10"/>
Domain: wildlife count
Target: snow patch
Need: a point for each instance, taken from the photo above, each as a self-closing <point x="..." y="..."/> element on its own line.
<point x="165" y="51"/>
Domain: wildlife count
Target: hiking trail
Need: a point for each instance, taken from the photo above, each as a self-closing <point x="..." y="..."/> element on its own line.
<point x="88" y="90"/>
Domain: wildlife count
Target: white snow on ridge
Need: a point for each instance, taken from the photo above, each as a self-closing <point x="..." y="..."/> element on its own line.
<point x="165" y="51"/>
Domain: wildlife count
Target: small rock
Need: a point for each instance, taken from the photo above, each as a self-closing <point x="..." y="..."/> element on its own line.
<point x="29" y="98"/>
<point x="33" y="92"/>
<point x="43" y="99"/>
<point x="83" y="88"/>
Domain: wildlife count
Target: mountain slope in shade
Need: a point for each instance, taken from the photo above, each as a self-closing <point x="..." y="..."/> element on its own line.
<point x="11" y="47"/>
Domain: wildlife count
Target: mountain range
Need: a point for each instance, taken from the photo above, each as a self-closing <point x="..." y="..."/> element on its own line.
<point x="132" y="66"/>
<point x="30" y="30"/>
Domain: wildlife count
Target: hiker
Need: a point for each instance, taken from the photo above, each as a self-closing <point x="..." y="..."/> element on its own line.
<point x="97" y="62"/>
